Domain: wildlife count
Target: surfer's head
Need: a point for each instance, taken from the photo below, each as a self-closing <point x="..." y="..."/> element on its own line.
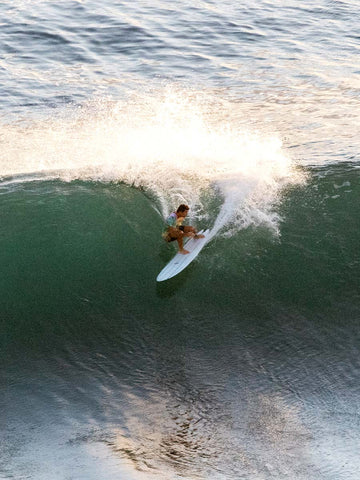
<point x="183" y="209"/>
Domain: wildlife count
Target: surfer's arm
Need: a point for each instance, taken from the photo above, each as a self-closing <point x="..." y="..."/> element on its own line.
<point x="171" y="221"/>
<point x="179" y="221"/>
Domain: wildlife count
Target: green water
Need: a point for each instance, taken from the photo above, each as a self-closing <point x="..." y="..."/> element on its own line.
<point x="259" y="323"/>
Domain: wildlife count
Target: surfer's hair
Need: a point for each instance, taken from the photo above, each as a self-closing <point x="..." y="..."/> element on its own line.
<point x="182" y="208"/>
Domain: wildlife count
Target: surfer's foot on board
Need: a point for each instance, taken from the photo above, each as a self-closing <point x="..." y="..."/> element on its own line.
<point x="183" y="251"/>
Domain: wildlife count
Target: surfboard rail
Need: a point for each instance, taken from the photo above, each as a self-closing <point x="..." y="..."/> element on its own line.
<point x="179" y="262"/>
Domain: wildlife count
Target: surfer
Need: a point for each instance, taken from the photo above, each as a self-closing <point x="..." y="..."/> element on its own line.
<point x="176" y="231"/>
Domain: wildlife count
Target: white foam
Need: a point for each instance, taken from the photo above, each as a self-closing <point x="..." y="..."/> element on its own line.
<point x="175" y="143"/>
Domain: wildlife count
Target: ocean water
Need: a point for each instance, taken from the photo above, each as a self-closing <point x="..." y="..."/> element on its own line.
<point x="244" y="366"/>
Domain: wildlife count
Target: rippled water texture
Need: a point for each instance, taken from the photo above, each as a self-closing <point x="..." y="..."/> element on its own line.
<point x="290" y="67"/>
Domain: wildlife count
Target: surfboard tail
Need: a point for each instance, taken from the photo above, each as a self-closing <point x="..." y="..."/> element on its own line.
<point x="178" y="263"/>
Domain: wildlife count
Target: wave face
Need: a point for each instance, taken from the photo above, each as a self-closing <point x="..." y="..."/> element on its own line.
<point x="222" y="371"/>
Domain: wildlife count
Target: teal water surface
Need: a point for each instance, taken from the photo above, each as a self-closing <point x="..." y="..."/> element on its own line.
<point x="253" y="346"/>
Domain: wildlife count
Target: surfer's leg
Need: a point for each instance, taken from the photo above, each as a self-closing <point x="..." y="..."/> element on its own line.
<point x="189" y="231"/>
<point x="180" y="240"/>
<point x="176" y="234"/>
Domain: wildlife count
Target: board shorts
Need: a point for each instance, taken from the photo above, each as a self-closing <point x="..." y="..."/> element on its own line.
<point x="169" y="238"/>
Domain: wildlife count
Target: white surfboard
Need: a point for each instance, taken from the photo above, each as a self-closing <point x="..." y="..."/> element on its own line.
<point x="180" y="261"/>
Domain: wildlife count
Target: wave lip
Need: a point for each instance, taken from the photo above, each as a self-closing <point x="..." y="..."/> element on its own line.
<point x="167" y="143"/>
